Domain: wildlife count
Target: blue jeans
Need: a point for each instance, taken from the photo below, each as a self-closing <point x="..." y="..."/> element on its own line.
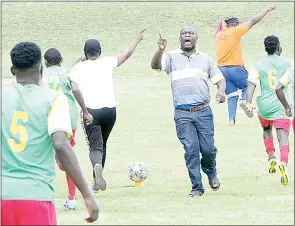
<point x="195" y="130"/>
<point x="236" y="79"/>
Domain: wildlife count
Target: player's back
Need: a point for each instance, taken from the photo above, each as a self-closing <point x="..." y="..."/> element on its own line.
<point x="27" y="148"/>
<point x="270" y="69"/>
<point x="55" y="78"/>
<point x="229" y="45"/>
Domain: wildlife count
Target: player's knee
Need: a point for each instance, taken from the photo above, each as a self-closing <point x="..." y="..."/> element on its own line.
<point x="208" y="151"/>
<point x="284" y="136"/>
<point x="267" y="130"/>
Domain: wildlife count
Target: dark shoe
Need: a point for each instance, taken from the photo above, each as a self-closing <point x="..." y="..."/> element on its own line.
<point x="95" y="187"/>
<point x="214" y="182"/>
<point x="99" y="180"/>
<point x="195" y="194"/>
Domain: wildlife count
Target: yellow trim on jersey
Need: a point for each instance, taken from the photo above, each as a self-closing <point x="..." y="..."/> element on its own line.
<point x="59" y="119"/>
<point x="284" y="80"/>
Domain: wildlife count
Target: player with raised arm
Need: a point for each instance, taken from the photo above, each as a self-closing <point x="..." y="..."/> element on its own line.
<point x="271" y="112"/>
<point x="55" y="77"/>
<point x="35" y="122"/>
<point x="230" y="59"/>
<point x="93" y="74"/>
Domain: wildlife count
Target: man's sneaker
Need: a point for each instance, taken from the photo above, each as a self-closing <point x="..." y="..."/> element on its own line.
<point x="70" y="204"/>
<point x="214" y="182"/>
<point x="284" y="173"/>
<point x="195" y="194"/>
<point x="232" y="122"/>
<point x="95" y="187"/>
<point x="99" y="180"/>
<point x="272" y="161"/>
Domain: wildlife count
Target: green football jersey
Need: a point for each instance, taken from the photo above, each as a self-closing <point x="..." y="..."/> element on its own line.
<point x="28" y="165"/>
<point x="270" y="70"/>
<point x="55" y="78"/>
<point x="288" y="80"/>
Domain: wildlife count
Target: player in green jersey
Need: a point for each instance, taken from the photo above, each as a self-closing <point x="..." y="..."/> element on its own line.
<point x="271" y="112"/>
<point x="35" y="122"/>
<point x="55" y="77"/>
<point x="284" y="81"/>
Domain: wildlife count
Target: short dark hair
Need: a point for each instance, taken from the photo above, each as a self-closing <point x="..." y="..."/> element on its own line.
<point x="25" y="55"/>
<point x="53" y="56"/>
<point x="231" y="20"/>
<point x="271" y="44"/>
<point x="92" y="47"/>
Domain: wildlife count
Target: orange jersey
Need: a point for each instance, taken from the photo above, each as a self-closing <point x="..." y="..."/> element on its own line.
<point x="229" y="45"/>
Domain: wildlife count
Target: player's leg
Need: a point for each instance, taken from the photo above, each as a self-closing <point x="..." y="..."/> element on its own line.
<point x="71" y="201"/>
<point x="232" y="94"/>
<point x="205" y="129"/>
<point x="32" y="212"/>
<point x="107" y="125"/>
<point x="241" y="81"/>
<point x="95" y="143"/>
<point x="268" y="143"/>
<point x="8" y="214"/>
<point x="282" y="127"/>
<point x="187" y="135"/>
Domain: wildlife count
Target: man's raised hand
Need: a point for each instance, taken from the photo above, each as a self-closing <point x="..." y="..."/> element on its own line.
<point x="162" y="43"/>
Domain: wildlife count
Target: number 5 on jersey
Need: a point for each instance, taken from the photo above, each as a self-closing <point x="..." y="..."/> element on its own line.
<point x="15" y="129"/>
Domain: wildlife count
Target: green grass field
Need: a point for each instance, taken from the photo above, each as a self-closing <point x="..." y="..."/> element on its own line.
<point x="145" y="129"/>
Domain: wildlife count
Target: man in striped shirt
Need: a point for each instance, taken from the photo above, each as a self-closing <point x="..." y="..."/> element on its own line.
<point x="190" y="70"/>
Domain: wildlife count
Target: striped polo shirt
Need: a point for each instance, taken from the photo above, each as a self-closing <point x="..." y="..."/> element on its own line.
<point x="189" y="77"/>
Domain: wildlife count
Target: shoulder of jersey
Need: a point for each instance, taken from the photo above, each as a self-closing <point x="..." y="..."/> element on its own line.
<point x="289" y="60"/>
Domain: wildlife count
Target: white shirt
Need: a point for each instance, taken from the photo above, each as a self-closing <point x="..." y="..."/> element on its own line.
<point x="95" y="80"/>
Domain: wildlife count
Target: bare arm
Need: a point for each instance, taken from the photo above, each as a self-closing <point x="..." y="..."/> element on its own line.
<point x="250" y="92"/>
<point x="220" y="97"/>
<point x="281" y="97"/>
<point x="221" y="85"/>
<point x="157" y="58"/>
<point x="67" y="158"/>
<point x="130" y="49"/>
<point x="257" y="18"/>
<point x="79" y="97"/>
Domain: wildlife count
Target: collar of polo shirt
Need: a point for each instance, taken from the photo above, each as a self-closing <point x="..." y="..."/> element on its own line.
<point x="182" y="52"/>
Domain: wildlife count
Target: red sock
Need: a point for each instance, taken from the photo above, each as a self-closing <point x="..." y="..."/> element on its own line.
<point x="284" y="153"/>
<point x="268" y="142"/>
<point x="71" y="188"/>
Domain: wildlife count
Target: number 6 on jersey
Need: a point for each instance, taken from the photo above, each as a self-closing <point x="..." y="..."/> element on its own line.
<point x="18" y="129"/>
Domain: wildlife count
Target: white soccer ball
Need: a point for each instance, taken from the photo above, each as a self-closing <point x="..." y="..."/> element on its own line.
<point x="137" y="172"/>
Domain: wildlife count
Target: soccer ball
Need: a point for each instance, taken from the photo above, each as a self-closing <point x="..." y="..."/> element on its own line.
<point x="137" y="172"/>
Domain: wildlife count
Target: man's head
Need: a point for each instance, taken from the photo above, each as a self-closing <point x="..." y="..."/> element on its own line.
<point x="272" y="45"/>
<point x="92" y="48"/>
<point x="26" y="60"/>
<point x="188" y="38"/>
<point x="52" y="57"/>
<point x="231" y="21"/>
